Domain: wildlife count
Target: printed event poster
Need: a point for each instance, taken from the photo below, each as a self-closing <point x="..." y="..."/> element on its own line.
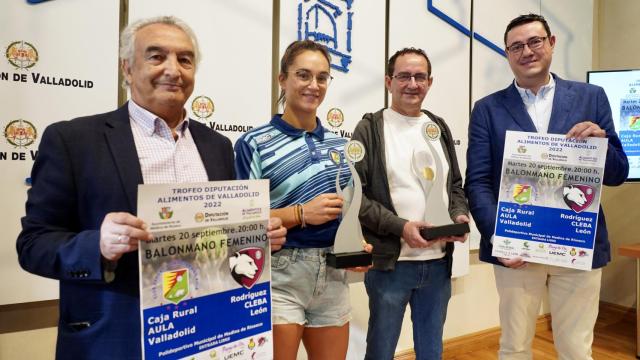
<point x="549" y="199"/>
<point x="205" y="278"/>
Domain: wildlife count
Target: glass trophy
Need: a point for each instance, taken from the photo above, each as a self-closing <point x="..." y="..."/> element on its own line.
<point x="348" y="247"/>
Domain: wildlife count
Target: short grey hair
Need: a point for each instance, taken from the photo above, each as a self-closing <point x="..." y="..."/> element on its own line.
<point x="128" y="37"/>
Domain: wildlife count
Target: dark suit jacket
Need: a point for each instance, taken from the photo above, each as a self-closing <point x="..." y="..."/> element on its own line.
<point x="86" y="168"/>
<point x="504" y="110"/>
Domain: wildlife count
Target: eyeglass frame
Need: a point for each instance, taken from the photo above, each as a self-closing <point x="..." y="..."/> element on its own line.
<point x="313" y="76"/>
<point x="510" y="49"/>
<point x="400" y="76"/>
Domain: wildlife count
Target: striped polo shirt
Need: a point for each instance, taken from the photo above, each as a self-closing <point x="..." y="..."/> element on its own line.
<point x="300" y="165"/>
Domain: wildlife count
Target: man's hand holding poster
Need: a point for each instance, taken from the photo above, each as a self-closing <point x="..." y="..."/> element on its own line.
<point x="205" y="277"/>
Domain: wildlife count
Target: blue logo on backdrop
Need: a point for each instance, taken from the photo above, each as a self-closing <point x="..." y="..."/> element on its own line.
<point x="567" y="34"/>
<point x="329" y="23"/>
<point x="446" y="18"/>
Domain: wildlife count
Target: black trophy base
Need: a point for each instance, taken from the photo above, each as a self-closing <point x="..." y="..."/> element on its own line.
<point x="444" y="230"/>
<point x="349" y="259"/>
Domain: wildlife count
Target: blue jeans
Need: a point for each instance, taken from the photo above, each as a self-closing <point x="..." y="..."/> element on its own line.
<point x="426" y="287"/>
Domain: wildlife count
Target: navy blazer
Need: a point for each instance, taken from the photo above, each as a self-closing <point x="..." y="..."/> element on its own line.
<point x="86" y="168"/>
<point x="504" y="110"/>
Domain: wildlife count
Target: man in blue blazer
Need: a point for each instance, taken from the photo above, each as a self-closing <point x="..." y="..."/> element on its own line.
<point x="539" y="101"/>
<point x="80" y="225"/>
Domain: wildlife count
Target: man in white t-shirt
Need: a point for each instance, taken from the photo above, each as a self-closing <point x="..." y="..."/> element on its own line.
<point x="410" y="180"/>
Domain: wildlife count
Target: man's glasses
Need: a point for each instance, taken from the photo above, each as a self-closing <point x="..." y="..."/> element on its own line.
<point x="305" y="77"/>
<point x="534" y="43"/>
<point x="403" y="77"/>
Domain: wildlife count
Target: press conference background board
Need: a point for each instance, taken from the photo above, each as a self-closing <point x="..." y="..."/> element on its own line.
<point x="235" y="72"/>
<point x="58" y="31"/>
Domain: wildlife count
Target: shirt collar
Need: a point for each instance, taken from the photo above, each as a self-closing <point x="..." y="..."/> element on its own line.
<point x="150" y="123"/>
<point x="289" y="130"/>
<point x="542" y="92"/>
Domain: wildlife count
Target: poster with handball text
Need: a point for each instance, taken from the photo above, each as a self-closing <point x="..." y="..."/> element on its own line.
<point x="549" y="199"/>
<point x="205" y="277"/>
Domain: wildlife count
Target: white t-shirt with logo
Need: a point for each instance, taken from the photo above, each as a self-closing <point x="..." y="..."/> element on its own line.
<point x="405" y="149"/>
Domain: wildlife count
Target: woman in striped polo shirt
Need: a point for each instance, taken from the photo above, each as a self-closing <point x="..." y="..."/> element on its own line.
<point x="301" y="158"/>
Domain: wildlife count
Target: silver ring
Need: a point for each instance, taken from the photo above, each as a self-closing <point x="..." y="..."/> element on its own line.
<point x="120" y="238"/>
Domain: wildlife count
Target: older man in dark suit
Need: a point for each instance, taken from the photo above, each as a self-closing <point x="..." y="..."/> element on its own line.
<point x="80" y="226"/>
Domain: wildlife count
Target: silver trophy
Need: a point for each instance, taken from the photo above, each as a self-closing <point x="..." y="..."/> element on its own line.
<point x="347" y="249"/>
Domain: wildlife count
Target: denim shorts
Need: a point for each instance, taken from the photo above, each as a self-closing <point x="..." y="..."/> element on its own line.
<point x="306" y="291"/>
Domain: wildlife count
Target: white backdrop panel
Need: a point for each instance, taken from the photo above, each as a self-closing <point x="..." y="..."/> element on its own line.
<point x="235" y="69"/>
<point x="358" y="59"/>
<point x="358" y="87"/>
<point x="413" y="24"/>
<point x="491" y="70"/>
<point x="64" y="54"/>
<point x="571" y="21"/>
